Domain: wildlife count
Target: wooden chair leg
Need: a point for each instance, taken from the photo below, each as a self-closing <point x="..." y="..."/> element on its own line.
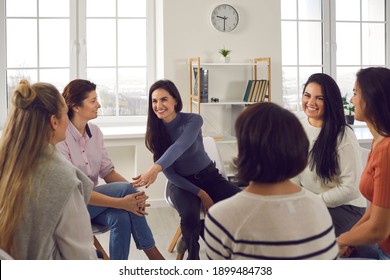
<point x="100" y="248"/>
<point x="174" y="240"/>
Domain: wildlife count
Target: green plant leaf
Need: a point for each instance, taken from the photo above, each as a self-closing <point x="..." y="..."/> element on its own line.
<point x="224" y="52"/>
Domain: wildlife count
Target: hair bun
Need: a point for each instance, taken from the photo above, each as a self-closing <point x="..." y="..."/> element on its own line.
<point x="23" y="95"/>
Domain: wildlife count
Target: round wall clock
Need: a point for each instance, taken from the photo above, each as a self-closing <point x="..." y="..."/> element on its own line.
<point x="224" y="18"/>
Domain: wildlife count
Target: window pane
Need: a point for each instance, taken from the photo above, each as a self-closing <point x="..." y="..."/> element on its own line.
<point x="101" y="8"/>
<point x="346" y="77"/>
<point x="290" y="88"/>
<point x="289" y="43"/>
<point x="348" y="47"/>
<point x="310" y="43"/>
<point x="22" y="50"/>
<point x="132" y="91"/>
<point x="105" y="89"/>
<point x="132" y="49"/>
<point x="54" y="46"/>
<point x="304" y="74"/>
<point x="131" y="8"/>
<point x="309" y="9"/>
<point x="56" y="8"/>
<point x="58" y="77"/>
<point x="14" y="10"/>
<point x="347" y="10"/>
<point x="373" y="10"/>
<point x="373" y="43"/>
<point x="101" y="42"/>
<point x="288" y="9"/>
<point x="14" y="77"/>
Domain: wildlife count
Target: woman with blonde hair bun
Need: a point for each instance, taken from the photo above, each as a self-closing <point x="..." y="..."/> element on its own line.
<point x="43" y="198"/>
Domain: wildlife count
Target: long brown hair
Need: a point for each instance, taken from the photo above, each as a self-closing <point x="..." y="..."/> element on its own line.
<point x="323" y="157"/>
<point x="374" y="83"/>
<point x="157" y="139"/>
<point x="26" y="136"/>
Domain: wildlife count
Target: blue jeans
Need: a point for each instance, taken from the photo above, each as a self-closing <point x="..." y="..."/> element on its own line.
<point x="372" y="251"/>
<point x="382" y="254"/>
<point x="122" y="223"/>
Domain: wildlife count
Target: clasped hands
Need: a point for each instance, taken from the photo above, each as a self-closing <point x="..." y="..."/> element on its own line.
<point x="135" y="203"/>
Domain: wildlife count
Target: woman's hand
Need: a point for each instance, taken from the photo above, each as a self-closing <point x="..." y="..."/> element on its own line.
<point x="148" y="178"/>
<point x="207" y="202"/>
<point x="345" y="251"/>
<point x="135" y="203"/>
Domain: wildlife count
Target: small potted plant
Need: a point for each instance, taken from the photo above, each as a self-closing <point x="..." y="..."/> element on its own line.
<point x="349" y="117"/>
<point x="225" y="54"/>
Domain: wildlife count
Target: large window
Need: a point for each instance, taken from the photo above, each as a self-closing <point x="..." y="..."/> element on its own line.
<point x="337" y="37"/>
<point x="106" y="41"/>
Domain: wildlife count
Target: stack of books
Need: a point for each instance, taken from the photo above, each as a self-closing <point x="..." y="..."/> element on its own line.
<point x="256" y="91"/>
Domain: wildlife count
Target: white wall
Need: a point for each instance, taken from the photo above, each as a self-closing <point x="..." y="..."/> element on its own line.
<point x="187" y="32"/>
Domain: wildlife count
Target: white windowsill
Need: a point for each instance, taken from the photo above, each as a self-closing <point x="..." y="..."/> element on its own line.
<point x="121" y="131"/>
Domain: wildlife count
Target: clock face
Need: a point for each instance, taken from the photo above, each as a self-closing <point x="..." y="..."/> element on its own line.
<point x="224" y="18"/>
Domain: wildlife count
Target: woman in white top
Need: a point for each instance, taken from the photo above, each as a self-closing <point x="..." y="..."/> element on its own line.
<point x="335" y="164"/>
<point x="42" y="196"/>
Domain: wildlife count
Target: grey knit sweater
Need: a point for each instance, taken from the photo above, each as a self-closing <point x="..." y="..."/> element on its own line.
<point x="54" y="181"/>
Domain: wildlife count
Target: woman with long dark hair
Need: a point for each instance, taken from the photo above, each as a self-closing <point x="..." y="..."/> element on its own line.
<point x="372" y="105"/>
<point x="335" y="163"/>
<point x="175" y="139"/>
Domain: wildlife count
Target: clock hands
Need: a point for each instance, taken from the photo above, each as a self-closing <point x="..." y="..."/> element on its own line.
<point x="224" y="20"/>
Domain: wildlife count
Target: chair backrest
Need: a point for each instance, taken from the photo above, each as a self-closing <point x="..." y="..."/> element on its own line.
<point x="211" y="149"/>
<point x="4" y="255"/>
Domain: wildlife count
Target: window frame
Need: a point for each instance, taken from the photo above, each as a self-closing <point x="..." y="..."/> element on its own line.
<point x="329" y="44"/>
<point x="77" y="63"/>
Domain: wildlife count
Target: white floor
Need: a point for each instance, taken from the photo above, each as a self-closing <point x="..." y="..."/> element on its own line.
<point x="163" y="223"/>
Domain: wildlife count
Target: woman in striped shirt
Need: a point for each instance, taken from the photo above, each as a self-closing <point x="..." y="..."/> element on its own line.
<point x="272" y="218"/>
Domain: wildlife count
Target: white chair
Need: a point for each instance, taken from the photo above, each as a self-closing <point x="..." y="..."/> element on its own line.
<point x="96" y="230"/>
<point x="4" y="255"/>
<point x="212" y="150"/>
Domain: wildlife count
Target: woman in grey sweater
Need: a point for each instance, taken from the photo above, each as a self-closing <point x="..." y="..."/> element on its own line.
<point x="42" y="197"/>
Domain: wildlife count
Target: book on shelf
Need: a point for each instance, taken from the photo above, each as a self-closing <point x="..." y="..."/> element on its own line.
<point x="253" y="85"/>
<point x="247" y="91"/>
<point x="256" y="91"/>
<point x="204" y="84"/>
<point x="263" y="90"/>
